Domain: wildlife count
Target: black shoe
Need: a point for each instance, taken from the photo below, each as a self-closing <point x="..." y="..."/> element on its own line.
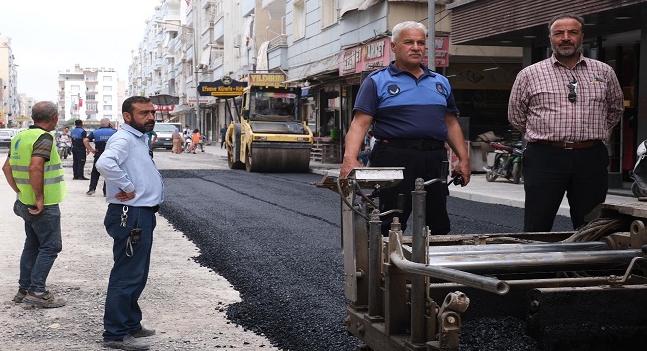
<point x="20" y="295"/>
<point x="43" y="300"/>
<point x="84" y="178"/>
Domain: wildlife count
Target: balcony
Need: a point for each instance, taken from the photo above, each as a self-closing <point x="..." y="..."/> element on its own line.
<point x="219" y="29"/>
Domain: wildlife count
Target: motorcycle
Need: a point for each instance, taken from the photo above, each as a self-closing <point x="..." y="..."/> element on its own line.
<point x="64" y="148"/>
<point x="507" y="162"/>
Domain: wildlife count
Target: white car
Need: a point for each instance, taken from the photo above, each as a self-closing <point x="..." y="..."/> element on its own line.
<point x="6" y="135"/>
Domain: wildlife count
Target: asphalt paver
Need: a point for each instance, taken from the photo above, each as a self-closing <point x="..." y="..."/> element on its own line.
<point x="276" y="239"/>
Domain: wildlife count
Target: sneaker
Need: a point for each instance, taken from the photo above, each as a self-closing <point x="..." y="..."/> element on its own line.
<point x="143" y="333"/>
<point x="20" y="295"/>
<point x="128" y="343"/>
<point x="43" y="300"/>
<point x="90" y="192"/>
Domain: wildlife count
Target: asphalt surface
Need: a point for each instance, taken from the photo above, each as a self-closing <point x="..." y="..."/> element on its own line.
<point x="275" y="237"/>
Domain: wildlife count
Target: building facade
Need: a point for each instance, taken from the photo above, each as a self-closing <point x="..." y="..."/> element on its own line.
<point x="9" y="101"/>
<point x="89" y="93"/>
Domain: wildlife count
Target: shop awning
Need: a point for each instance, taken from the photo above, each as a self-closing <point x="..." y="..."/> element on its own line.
<point x="310" y="70"/>
<point x="181" y="110"/>
<point x="517" y="23"/>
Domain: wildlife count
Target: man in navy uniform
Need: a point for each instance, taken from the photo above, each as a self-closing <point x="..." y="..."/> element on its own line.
<point x="413" y="114"/>
<point x="100" y="138"/>
<point x="78" y="150"/>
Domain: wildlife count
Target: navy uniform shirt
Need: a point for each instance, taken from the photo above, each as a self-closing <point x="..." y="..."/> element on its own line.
<point x="404" y="107"/>
<point x="100" y="138"/>
<point x="78" y="134"/>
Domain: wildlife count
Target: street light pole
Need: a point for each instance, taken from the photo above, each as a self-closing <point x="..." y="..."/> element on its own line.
<point x="431" y="34"/>
<point x="196" y="64"/>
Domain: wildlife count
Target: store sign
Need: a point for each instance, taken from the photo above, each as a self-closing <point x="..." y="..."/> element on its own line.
<point x="442" y="51"/>
<point x="225" y="87"/>
<point x="164" y="108"/>
<point x="266" y="79"/>
<point x="373" y="55"/>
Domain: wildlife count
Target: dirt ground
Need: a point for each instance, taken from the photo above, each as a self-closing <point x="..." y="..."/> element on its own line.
<point x="184" y="302"/>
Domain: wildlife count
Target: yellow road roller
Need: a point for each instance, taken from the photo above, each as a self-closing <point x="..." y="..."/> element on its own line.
<point x="269" y="135"/>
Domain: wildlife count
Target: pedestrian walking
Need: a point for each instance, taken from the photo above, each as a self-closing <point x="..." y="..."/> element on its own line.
<point x="78" y="150"/>
<point x="567" y="106"/>
<point x="223" y="133"/>
<point x="34" y="171"/>
<point x="134" y="192"/>
<point x="177" y="142"/>
<point x="413" y="113"/>
<point x="196" y="140"/>
<point x="100" y="138"/>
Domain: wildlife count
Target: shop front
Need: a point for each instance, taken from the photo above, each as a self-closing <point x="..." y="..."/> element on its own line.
<point x="614" y="33"/>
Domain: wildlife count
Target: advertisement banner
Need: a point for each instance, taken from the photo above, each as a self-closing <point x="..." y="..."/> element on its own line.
<point x="370" y="56"/>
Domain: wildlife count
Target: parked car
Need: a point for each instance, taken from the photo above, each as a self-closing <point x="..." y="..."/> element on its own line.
<point x="6" y="135"/>
<point x="165" y="134"/>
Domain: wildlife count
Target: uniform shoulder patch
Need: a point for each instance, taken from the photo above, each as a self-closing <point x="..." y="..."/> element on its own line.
<point x="441" y="89"/>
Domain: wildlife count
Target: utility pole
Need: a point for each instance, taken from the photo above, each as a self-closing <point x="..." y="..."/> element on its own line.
<point x="196" y="62"/>
<point x="431" y="34"/>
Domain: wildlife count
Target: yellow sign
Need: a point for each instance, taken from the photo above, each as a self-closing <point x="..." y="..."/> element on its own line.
<point x="221" y="91"/>
<point x="266" y="79"/>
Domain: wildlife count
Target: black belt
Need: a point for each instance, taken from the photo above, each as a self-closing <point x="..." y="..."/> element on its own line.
<point x="415" y="144"/>
<point x="568" y="145"/>
<point x="152" y="208"/>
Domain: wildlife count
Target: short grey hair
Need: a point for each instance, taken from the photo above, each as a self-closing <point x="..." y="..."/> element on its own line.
<point x="563" y="16"/>
<point x="395" y="34"/>
<point x="44" y="111"/>
<point x="105" y="122"/>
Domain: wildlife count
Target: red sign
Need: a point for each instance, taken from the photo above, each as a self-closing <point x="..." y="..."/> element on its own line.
<point x="372" y="55"/>
<point x="442" y="51"/>
<point x="164" y="108"/>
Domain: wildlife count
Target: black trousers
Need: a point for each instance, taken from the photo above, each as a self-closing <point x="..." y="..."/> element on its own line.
<point x="425" y="164"/>
<point x="550" y="171"/>
<point x="78" y="161"/>
<point x="94" y="175"/>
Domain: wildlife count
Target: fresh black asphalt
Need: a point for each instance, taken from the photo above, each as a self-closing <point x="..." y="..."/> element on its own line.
<point x="276" y="239"/>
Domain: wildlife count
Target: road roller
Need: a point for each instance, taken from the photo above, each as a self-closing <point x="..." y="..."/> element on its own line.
<point x="269" y="135"/>
<point x="579" y="290"/>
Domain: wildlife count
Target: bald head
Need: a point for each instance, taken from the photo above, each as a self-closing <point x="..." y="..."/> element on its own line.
<point x="105" y="122"/>
<point x="44" y="111"/>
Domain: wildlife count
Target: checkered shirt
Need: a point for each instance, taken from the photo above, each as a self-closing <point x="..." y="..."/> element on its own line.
<point x="539" y="104"/>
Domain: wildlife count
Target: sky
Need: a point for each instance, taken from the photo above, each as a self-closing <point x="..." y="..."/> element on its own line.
<point x="48" y="36"/>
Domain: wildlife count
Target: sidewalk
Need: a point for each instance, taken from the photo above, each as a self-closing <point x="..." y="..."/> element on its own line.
<point x="500" y="192"/>
<point x="184" y="302"/>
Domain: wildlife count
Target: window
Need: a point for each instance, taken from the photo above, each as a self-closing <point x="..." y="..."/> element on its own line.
<point x="107" y="107"/>
<point x="107" y="99"/>
<point x="328" y="12"/>
<point x="298" y="19"/>
<point x="107" y="78"/>
<point x="107" y="88"/>
<point x="107" y="116"/>
<point x="75" y="88"/>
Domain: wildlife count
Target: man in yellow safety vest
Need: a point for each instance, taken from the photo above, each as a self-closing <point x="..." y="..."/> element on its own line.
<point x="33" y="170"/>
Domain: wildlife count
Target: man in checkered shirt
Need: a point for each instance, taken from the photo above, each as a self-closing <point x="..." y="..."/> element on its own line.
<point x="567" y="106"/>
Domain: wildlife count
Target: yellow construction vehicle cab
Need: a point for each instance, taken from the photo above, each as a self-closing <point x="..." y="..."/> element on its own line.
<point x="269" y="135"/>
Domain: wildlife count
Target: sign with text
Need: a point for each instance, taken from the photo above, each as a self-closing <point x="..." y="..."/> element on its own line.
<point x="266" y="79"/>
<point x="164" y="108"/>
<point x="225" y="87"/>
<point x="372" y="55"/>
<point x="442" y="51"/>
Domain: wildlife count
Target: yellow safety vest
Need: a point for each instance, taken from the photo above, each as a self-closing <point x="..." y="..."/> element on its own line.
<point x="22" y="146"/>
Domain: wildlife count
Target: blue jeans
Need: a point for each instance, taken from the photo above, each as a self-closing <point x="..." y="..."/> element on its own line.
<point x="122" y="315"/>
<point x="42" y="245"/>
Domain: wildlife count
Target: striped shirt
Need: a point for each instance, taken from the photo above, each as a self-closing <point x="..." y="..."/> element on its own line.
<point x="539" y="104"/>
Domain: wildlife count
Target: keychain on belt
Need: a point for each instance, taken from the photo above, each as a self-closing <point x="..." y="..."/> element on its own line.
<point x="133" y="235"/>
